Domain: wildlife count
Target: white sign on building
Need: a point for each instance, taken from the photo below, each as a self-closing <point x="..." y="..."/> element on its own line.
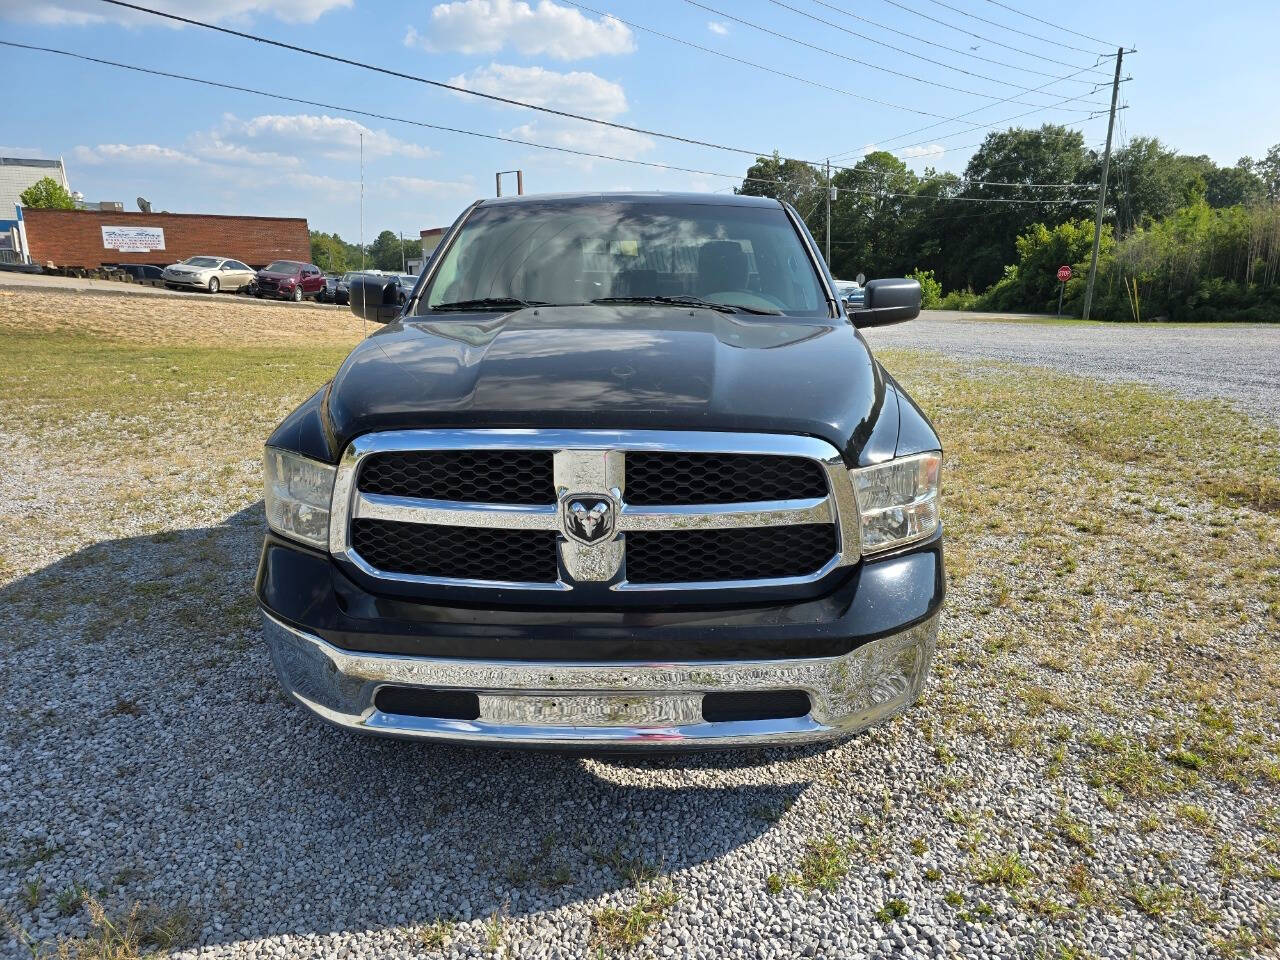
<point x="133" y="239"/>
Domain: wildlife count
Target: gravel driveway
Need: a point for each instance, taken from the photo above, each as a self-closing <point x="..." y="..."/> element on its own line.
<point x="1237" y="363"/>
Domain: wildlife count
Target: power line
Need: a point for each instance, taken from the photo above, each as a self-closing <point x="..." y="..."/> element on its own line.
<point x="969" y="113"/>
<point x="979" y="36"/>
<point x="862" y="36"/>
<point x="986" y="126"/>
<point x="493" y="97"/>
<point x="1049" y="23"/>
<point x="487" y="96"/>
<point x="395" y="119"/>
<point x="956" y="133"/>
<point x="832" y="53"/>
<point x="1001" y="26"/>
<point x="366" y="113"/>
<point x="931" y="43"/>
<point x="748" y="63"/>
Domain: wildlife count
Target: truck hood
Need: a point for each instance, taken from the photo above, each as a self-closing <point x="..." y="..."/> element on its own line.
<point x="614" y="367"/>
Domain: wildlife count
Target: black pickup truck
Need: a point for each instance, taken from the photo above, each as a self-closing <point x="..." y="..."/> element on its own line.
<point x="622" y="472"/>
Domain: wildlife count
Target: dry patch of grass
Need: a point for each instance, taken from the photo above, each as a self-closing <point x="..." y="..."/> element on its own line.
<point x="221" y="320"/>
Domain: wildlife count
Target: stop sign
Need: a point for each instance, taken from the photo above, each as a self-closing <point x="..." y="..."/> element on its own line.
<point x="1064" y="273"/>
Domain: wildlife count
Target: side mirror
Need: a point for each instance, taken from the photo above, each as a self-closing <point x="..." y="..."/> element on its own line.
<point x="373" y="298"/>
<point x="888" y="301"/>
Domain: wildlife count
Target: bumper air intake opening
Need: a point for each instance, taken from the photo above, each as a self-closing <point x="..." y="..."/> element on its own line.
<point x="754" y="705"/>
<point x="420" y="702"/>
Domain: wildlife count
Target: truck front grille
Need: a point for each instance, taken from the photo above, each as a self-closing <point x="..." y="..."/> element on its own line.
<point x="469" y="476"/>
<point x="626" y="510"/>
<point x="463" y="553"/>
<point x="758" y="553"/>
<point x="701" y="478"/>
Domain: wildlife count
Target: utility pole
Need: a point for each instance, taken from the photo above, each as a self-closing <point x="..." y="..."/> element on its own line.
<point x="828" y="213"/>
<point x="362" y="203"/>
<point x="1102" y="191"/>
<point x="403" y="268"/>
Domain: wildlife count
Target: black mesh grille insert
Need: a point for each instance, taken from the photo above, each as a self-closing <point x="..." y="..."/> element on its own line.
<point x="478" y="476"/>
<point x="675" y="556"/>
<point x="655" y="479"/>
<point x="472" y="553"/>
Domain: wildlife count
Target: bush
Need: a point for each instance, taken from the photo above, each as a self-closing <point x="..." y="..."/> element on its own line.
<point x="959" y="300"/>
<point x="1199" y="264"/>
<point x="930" y="288"/>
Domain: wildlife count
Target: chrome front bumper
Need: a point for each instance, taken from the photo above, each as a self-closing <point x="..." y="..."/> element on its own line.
<point x="659" y="703"/>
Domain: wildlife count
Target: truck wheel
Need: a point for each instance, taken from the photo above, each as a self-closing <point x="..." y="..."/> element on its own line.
<point x="297" y="294"/>
<point x="213" y="284"/>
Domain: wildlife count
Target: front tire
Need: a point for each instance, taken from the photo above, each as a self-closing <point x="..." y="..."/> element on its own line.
<point x="297" y="294"/>
<point x="214" y="285"/>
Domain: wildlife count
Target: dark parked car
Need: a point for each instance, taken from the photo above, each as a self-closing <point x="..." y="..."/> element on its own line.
<point x="341" y="290"/>
<point x="621" y="473"/>
<point x="288" y="280"/>
<point x="143" y="273"/>
<point x="326" y="293"/>
<point x="405" y="282"/>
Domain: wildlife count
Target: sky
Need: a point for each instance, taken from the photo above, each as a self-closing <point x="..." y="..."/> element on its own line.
<point x="1204" y="78"/>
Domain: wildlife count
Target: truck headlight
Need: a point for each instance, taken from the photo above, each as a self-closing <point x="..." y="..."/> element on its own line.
<point x="298" y="492"/>
<point x="898" y="501"/>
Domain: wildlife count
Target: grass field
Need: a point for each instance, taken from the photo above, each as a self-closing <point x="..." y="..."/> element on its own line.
<point x="1111" y="639"/>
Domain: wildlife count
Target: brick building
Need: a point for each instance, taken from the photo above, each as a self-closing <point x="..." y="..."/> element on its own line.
<point x="91" y="238"/>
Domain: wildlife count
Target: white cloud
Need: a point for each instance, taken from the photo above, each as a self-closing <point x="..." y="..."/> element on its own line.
<point x="578" y="91"/>
<point x="121" y="153"/>
<point x="487" y="26"/>
<point x="336" y="137"/>
<point x="85" y="12"/>
<point x="423" y="187"/>
<point x="718" y="28"/>
<point x="582" y="136"/>
<point x="932" y="150"/>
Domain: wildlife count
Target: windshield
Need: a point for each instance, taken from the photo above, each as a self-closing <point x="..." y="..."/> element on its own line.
<point x="283" y="266"/>
<point x="559" y="252"/>
<point x="201" y="261"/>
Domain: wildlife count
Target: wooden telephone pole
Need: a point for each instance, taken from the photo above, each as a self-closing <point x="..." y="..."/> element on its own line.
<point x="1102" y="191"/>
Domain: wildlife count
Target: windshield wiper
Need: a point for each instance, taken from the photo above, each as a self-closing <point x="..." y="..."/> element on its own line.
<point x="488" y="303"/>
<point x="685" y="300"/>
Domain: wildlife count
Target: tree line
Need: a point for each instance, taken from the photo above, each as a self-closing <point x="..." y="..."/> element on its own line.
<point x="332" y="254"/>
<point x="1186" y="238"/>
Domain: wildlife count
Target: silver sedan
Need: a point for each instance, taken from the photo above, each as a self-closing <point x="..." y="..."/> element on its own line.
<point x="208" y="273"/>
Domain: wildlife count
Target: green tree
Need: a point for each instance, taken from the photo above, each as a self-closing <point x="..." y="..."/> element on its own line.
<point x="384" y="252"/>
<point x="328" y="252"/>
<point x="870" y="217"/>
<point x="1052" y="154"/>
<point x="1268" y="170"/>
<point x="1234" y="186"/>
<point x="47" y="194"/>
<point x="791" y="181"/>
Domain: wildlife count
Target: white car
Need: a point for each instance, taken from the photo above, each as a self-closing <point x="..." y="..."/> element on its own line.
<point x="208" y="273"/>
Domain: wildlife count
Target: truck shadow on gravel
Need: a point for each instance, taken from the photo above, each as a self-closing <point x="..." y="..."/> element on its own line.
<point x="150" y="758"/>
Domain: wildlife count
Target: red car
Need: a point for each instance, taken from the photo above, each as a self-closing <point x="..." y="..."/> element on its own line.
<point x="288" y="280"/>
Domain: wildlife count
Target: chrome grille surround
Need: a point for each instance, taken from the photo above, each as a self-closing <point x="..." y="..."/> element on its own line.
<point x="593" y="463"/>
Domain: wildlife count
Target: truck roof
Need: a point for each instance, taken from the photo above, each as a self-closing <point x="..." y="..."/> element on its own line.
<point x="717" y="199"/>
